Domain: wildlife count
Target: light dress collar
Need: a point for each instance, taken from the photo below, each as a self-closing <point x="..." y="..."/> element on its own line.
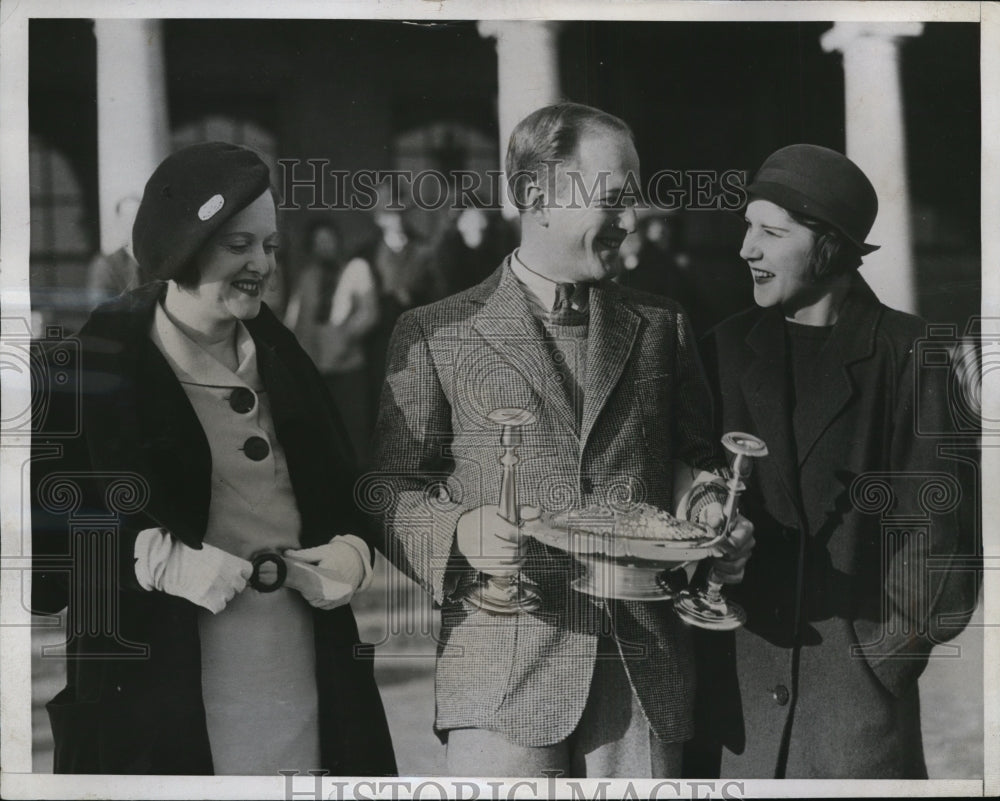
<point x="192" y="364"/>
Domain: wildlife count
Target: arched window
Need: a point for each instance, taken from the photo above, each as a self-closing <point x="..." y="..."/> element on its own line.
<point x="61" y="242"/>
<point x="215" y="128"/>
<point x="446" y="147"/>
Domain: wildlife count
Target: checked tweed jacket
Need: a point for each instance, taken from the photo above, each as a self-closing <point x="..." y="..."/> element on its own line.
<point x="646" y="402"/>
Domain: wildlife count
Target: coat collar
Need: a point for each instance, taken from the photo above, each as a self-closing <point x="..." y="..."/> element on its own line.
<point x="614" y="327"/>
<point x="764" y="385"/>
<point x="510" y="328"/>
<point x="120" y="328"/>
<point x="138" y="415"/>
<point x="507" y="323"/>
<point x="852" y="340"/>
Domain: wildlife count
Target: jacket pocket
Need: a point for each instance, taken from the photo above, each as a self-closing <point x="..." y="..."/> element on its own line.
<point x="894" y="669"/>
<point x="75" y="733"/>
<point x="476" y="659"/>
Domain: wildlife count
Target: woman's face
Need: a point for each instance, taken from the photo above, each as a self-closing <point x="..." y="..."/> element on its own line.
<point x="236" y="263"/>
<point x="778" y="248"/>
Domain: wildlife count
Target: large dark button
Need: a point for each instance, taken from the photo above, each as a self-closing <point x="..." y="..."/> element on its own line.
<point x="587" y="485"/>
<point x="242" y="400"/>
<point x="256" y="448"/>
<point x="780" y="695"/>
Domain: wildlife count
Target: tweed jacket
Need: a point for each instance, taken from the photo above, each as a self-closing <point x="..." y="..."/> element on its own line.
<point x="450" y="364"/>
<point x="855" y="576"/>
<point x="140" y="459"/>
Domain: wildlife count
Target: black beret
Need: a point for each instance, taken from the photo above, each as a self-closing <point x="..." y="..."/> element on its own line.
<point x="820" y="183"/>
<point x="188" y="198"/>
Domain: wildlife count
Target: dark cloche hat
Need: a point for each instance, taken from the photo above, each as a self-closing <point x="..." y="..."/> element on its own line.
<point x="820" y="183"/>
<point x="188" y="198"/>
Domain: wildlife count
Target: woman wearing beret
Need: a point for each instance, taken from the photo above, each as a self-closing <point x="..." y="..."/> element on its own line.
<point x="822" y="681"/>
<point x="234" y="546"/>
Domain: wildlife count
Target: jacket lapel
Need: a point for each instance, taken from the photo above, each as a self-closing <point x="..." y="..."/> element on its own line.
<point x="285" y="399"/>
<point x="319" y="461"/>
<point x="510" y="328"/>
<point x="613" y="330"/>
<point x="851" y="340"/>
<point x="764" y="385"/>
<point x="139" y="418"/>
<point x="171" y="438"/>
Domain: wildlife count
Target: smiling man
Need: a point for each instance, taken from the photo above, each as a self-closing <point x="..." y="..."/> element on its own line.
<point x="583" y="685"/>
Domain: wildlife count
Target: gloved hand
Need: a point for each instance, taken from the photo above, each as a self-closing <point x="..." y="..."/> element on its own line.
<point x="489" y="543"/>
<point x="209" y="577"/>
<point x="328" y="575"/>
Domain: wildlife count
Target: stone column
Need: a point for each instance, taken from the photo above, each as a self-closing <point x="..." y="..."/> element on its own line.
<point x="133" y="134"/>
<point x="876" y="142"/>
<point x="527" y="76"/>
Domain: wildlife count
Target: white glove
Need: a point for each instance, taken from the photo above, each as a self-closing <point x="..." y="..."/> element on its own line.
<point x="329" y="575"/>
<point x="209" y="577"/>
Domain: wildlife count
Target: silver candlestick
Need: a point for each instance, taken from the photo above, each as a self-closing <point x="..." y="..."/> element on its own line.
<point x="507" y="592"/>
<point x="708" y="608"/>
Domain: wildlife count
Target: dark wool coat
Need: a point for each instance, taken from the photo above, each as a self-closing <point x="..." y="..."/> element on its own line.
<point x="118" y="448"/>
<point x="852" y="581"/>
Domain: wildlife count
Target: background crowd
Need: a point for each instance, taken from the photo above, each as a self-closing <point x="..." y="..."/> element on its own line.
<point x="343" y="300"/>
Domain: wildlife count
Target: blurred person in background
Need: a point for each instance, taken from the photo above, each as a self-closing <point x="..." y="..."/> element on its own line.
<point x="472" y="247"/>
<point x="655" y="261"/>
<point x="402" y="262"/>
<point x="332" y="311"/>
<point x="239" y="547"/>
<point x="111" y="274"/>
<point x="822" y="681"/>
<point x="406" y="275"/>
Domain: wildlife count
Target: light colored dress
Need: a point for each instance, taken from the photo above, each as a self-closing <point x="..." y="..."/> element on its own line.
<point x="258" y="654"/>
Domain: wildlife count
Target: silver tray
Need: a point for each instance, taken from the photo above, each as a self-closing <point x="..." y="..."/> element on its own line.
<point x="578" y="542"/>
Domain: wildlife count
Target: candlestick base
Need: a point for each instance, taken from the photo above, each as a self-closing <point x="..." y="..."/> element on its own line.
<point x="697" y="609"/>
<point x="503" y="595"/>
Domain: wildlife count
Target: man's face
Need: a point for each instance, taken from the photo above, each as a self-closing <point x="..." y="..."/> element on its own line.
<point x="591" y="215"/>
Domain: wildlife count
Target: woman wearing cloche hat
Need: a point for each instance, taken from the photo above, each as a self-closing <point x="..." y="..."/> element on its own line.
<point x="822" y="681"/>
<point x="211" y="452"/>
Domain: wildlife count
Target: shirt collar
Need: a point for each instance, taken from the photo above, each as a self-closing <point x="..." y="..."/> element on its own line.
<point x="192" y="364"/>
<point x="541" y="291"/>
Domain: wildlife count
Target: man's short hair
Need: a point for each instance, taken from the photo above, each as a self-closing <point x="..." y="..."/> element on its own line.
<point x="548" y="136"/>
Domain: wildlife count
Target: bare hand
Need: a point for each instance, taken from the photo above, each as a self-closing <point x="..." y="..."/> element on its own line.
<point x="489" y="543"/>
<point x="734" y="551"/>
